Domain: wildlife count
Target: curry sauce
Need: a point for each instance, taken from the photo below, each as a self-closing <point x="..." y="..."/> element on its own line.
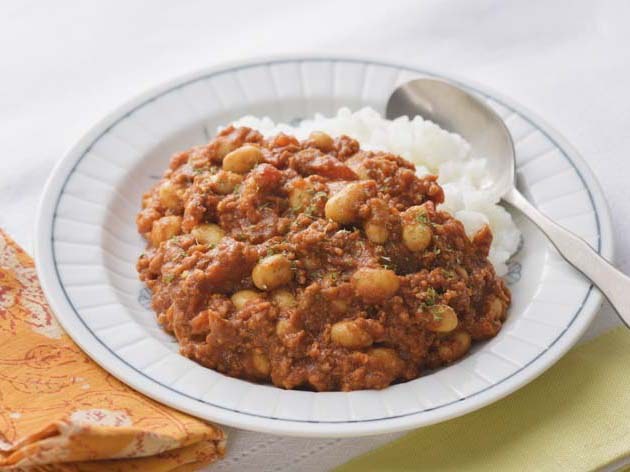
<point x="313" y="264"/>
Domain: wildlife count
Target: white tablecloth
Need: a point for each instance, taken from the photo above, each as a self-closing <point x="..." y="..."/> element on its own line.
<point x="64" y="64"/>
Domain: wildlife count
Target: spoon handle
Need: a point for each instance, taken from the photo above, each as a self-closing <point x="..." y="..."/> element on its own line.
<point x="613" y="283"/>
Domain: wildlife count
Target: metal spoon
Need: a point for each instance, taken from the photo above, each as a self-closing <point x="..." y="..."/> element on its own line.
<point x="456" y="110"/>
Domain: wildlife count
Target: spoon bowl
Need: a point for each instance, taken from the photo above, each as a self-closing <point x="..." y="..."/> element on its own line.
<point x="456" y="110"/>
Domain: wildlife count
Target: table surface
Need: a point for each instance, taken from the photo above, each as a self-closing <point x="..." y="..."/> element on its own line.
<point x="66" y="64"/>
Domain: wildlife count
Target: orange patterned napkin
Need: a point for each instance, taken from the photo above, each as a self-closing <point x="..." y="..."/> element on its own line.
<point x="59" y="411"/>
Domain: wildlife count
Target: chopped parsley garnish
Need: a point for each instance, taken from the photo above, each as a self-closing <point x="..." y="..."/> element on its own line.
<point x="422" y="218"/>
<point x="312" y="207"/>
<point x="387" y="263"/>
<point x="168" y="278"/>
<point x="310" y="210"/>
<point x="237" y="188"/>
<point x="430" y="296"/>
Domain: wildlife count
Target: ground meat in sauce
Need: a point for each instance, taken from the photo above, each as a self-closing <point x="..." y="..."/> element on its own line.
<point x="313" y="264"/>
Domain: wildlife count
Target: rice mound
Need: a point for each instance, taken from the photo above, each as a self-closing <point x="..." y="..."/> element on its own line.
<point x="433" y="150"/>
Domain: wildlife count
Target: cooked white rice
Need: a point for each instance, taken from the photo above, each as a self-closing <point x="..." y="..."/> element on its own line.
<point x="433" y="150"/>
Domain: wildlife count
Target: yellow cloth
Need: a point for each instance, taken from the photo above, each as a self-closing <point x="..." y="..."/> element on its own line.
<point x="575" y="417"/>
<point x="59" y="411"/>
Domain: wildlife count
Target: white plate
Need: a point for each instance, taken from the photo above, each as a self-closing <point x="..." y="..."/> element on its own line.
<point x="87" y="246"/>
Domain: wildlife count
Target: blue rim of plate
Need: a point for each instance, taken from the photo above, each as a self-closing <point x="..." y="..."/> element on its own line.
<point x="198" y="77"/>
